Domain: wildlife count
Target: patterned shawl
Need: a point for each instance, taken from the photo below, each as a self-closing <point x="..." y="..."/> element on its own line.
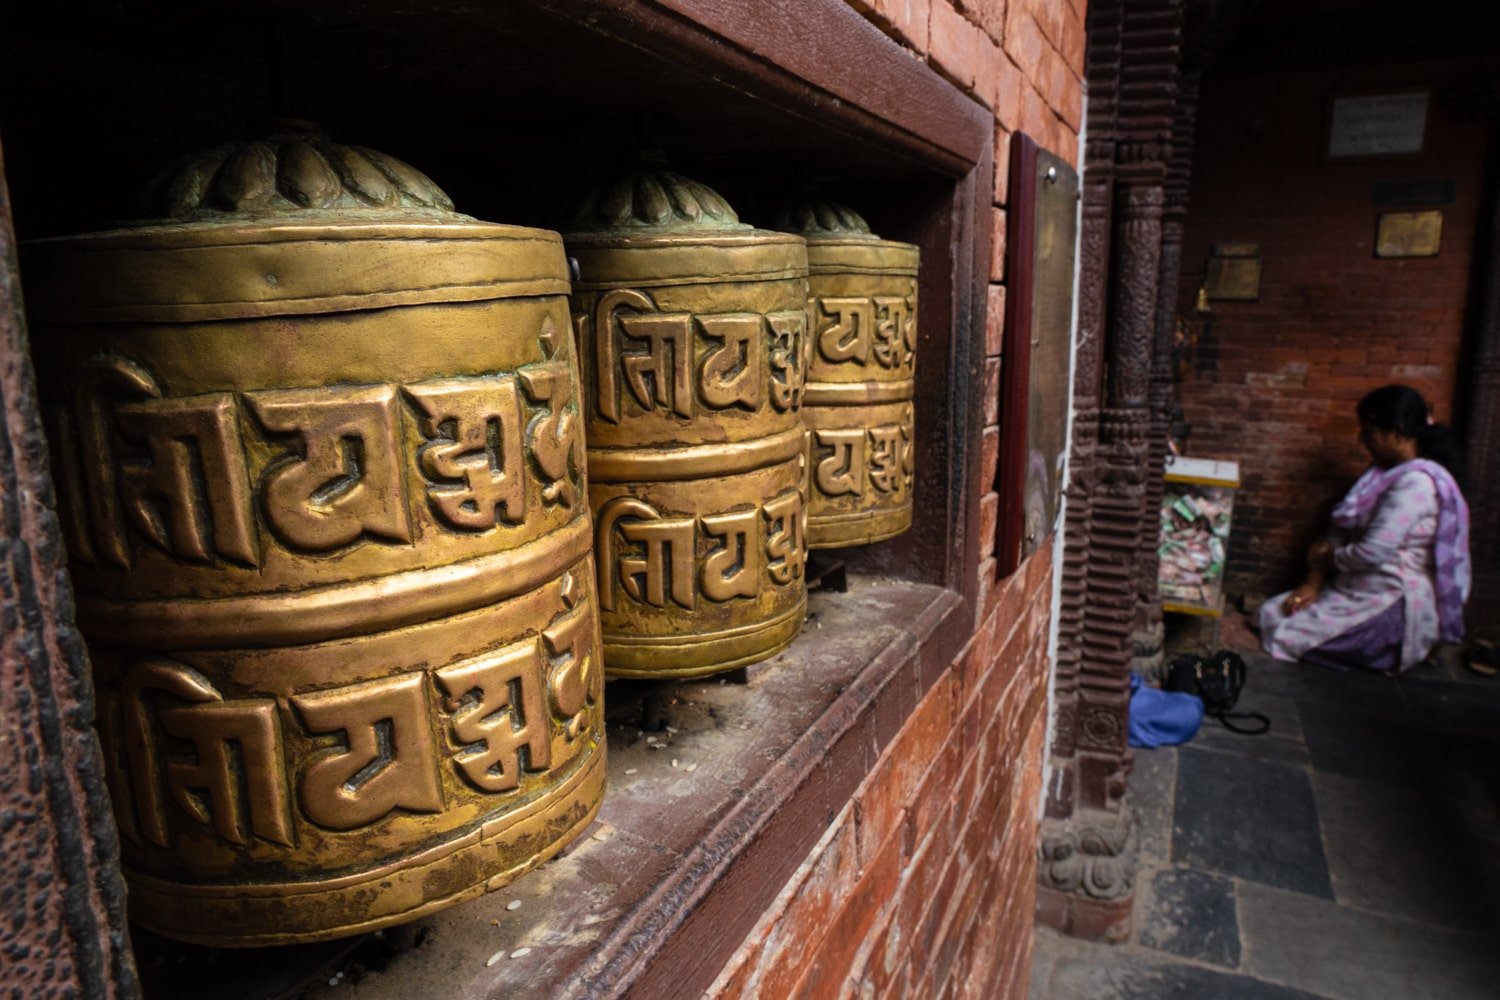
<point x="1450" y="548"/>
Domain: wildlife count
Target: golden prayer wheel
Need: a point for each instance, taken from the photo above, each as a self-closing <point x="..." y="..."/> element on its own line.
<point x="693" y="330"/>
<point x="860" y="383"/>
<point x="321" y="459"/>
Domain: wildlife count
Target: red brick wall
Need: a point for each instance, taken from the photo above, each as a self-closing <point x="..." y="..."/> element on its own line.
<point x="924" y="884"/>
<point x="1274" y="382"/>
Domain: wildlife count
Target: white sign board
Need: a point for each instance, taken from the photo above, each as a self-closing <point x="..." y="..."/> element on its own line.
<point x="1380" y="125"/>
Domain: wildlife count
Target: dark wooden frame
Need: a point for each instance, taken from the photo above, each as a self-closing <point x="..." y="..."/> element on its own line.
<point x="850" y="78"/>
<point x="1015" y="355"/>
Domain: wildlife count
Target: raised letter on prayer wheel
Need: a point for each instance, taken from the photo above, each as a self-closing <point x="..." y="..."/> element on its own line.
<point x="693" y="330"/>
<point x="858" y="401"/>
<point x="321" y="456"/>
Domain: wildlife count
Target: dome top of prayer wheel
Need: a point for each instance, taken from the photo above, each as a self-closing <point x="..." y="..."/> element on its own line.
<point x="818" y="218"/>
<point x="291" y="169"/>
<point x="648" y="198"/>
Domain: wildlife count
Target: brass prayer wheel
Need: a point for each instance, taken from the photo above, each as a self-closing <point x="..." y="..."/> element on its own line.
<point x="321" y="460"/>
<point x="693" y="330"/>
<point x="860" y="382"/>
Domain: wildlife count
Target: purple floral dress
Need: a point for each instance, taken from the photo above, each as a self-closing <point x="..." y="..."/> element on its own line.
<point x="1400" y="543"/>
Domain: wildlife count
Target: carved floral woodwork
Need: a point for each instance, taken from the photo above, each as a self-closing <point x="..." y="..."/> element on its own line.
<point x="1133" y="68"/>
<point x="319" y="446"/>
<point x="693" y="327"/>
<point x="862" y="308"/>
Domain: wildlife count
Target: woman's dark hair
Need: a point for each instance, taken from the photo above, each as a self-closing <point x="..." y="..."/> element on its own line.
<point x="1402" y="409"/>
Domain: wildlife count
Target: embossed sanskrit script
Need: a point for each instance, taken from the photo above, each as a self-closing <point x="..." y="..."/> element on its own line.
<point x="345" y="757"/>
<point x="858" y="330"/>
<point x="854" y="461"/>
<point x="659" y="560"/>
<point x="677" y="363"/>
<point x="177" y="475"/>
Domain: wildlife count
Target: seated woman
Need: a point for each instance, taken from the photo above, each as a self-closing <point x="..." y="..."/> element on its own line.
<point x="1390" y="579"/>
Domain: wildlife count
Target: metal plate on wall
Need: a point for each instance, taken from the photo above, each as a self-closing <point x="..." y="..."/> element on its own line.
<point x="1409" y="234"/>
<point x="1035" y="368"/>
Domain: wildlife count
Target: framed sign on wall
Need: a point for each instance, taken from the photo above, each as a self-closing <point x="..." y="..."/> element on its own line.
<point x="1377" y="125"/>
<point x="1034" y="396"/>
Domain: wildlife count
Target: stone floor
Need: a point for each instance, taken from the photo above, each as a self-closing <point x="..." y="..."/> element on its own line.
<point x="1352" y="853"/>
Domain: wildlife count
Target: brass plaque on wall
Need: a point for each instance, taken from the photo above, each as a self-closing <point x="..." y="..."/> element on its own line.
<point x="1036" y="363"/>
<point x="1233" y="273"/>
<point x="1409" y="234"/>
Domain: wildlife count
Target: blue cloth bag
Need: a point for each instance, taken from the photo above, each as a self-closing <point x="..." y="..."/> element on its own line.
<point x="1162" y="718"/>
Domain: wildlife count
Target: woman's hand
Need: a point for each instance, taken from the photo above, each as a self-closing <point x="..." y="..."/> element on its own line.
<point x="1301" y="597"/>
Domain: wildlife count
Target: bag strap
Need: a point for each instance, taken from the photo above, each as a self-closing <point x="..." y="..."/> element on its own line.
<point x="1237" y="671"/>
<point x="1261" y="727"/>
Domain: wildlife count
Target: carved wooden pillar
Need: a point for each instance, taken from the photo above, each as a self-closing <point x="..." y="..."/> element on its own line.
<point x="1088" y="845"/>
<point x="1093" y="287"/>
<point x="1163" y="393"/>
<point x="62" y="930"/>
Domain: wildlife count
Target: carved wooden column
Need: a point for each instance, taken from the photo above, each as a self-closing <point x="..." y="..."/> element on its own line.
<point x="1102" y="68"/>
<point x="1088" y="842"/>
<point x="1163" y="393"/>
<point x="62" y="929"/>
<point x="1084" y="871"/>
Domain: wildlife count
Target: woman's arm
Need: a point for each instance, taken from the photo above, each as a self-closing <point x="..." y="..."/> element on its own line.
<point x="1411" y="498"/>
<point x="1319" y="560"/>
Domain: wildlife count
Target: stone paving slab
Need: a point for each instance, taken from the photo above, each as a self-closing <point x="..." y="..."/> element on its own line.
<point x="1269" y="747"/>
<point x="1132" y="973"/>
<point x="1250" y="819"/>
<point x="1153" y="783"/>
<point x="1405" y="852"/>
<point x="1352" y="854"/>
<point x="1397" y="750"/>
<point x="1352" y="954"/>
<point x="1192" y="914"/>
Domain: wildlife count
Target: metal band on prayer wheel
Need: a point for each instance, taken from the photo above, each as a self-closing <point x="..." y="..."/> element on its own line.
<point x="858" y="402"/>
<point x="321" y="457"/>
<point x="693" y="327"/>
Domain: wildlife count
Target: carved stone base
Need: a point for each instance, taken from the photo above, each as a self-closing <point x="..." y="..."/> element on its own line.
<point x="1146" y="647"/>
<point x="1087" y="874"/>
<point x="1084" y="918"/>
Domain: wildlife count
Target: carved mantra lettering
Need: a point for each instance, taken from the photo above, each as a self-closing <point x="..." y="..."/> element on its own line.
<point x="846" y="460"/>
<point x="173" y="472"/>
<point x="179" y="753"/>
<point x="648" y="361"/>
<point x="854" y="330"/>
<point x="655" y="560"/>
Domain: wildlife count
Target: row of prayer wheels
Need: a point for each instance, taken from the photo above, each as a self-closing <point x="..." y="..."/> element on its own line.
<point x="350" y="577"/>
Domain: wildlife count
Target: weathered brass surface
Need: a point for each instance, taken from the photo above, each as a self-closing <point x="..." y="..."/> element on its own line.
<point x="321" y="460"/>
<point x="693" y="330"/>
<point x="1055" y="231"/>
<point x="861" y="428"/>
